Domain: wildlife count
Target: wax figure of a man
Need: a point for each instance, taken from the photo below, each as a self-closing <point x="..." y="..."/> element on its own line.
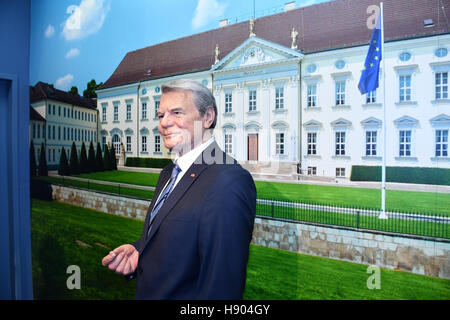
<point x="199" y="225"/>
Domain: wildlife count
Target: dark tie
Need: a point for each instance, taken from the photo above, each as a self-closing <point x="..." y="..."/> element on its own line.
<point x="164" y="194"/>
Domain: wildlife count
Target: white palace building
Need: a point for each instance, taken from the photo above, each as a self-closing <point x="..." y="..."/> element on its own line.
<point x="286" y="87"/>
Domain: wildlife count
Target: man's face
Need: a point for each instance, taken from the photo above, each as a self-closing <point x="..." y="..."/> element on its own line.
<point x="177" y="117"/>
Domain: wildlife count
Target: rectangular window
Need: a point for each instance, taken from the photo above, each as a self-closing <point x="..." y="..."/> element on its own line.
<point x="371" y="143"/>
<point x="405" y="143"/>
<point x="144" y="144"/>
<point x="340" y="172"/>
<point x="405" y="88"/>
<point x="49" y="155"/>
<point x="103" y="113"/>
<point x="157" y="143"/>
<point x="312" y="143"/>
<point x="228" y="143"/>
<point x="441" y="85"/>
<point x="59" y="133"/>
<point x="442" y="143"/>
<point x="34" y="130"/>
<point x="59" y="111"/>
<point x="156" y="108"/>
<point x="340" y="143"/>
<point x="340" y="93"/>
<point x="228" y="102"/>
<point x="54" y="135"/>
<point x="279" y="143"/>
<point x="49" y="132"/>
<point x="128" y="111"/>
<point x="312" y="171"/>
<point x="39" y="131"/>
<point x="116" y="113"/>
<point x="64" y="112"/>
<point x="144" y="110"/>
<point x="252" y="100"/>
<point x="103" y="143"/>
<point x="371" y="97"/>
<point x="128" y="143"/>
<point x="312" y="95"/>
<point x="279" y="98"/>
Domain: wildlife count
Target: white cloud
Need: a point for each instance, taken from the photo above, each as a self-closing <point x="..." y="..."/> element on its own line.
<point x="85" y="19"/>
<point x="72" y="53"/>
<point x="63" y="83"/>
<point x="50" y="31"/>
<point x="206" y="12"/>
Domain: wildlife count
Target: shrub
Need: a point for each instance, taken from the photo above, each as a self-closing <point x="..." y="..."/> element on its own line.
<point x="420" y="175"/>
<point x="106" y="161"/>
<point x="99" y="158"/>
<point x="112" y="158"/>
<point x="40" y="190"/>
<point x="33" y="166"/>
<point x="63" y="168"/>
<point x="147" y="162"/>
<point x="74" y="166"/>
<point x="42" y="169"/>
<point x="91" y="158"/>
<point x="83" y="159"/>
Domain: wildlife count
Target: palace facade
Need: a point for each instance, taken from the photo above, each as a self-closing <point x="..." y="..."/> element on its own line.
<point x="286" y="87"/>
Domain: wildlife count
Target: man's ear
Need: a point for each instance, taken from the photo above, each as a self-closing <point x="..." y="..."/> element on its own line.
<point x="208" y="117"/>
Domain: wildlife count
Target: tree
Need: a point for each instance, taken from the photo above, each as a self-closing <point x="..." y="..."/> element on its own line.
<point x="106" y="161"/>
<point x="99" y="158"/>
<point x="74" y="166"/>
<point x="112" y="158"/>
<point x="83" y="159"/>
<point x="63" y="168"/>
<point x="90" y="89"/>
<point x="91" y="158"/>
<point x="42" y="169"/>
<point x="33" y="166"/>
<point x="74" y="91"/>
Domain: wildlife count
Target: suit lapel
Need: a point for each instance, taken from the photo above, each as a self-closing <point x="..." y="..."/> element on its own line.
<point x="180" y="189"/>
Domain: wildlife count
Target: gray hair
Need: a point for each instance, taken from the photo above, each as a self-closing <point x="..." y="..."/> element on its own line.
<point x="201" y="95"/>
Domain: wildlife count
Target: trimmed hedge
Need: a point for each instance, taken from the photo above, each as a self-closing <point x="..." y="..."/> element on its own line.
<point x="418" y="175"/>
<point x="147" y="162"/>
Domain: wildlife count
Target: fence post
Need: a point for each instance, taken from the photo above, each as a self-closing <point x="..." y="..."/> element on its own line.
<point x="272" y="209"/>
<point x="357" y="219"/>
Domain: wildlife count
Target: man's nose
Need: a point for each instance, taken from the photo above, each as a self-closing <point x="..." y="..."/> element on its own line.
<point x="165" y="121"/>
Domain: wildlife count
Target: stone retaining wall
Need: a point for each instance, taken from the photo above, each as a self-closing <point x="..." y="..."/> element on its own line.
<point x="419" y="256"/>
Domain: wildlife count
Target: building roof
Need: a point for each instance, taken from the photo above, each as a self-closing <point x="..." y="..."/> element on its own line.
<point x="43" y="91"/>
<point x="326" y="26"/>
<point x="34" y="115"/>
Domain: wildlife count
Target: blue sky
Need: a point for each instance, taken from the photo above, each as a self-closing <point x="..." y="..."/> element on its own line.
<point x="74" y="41"/>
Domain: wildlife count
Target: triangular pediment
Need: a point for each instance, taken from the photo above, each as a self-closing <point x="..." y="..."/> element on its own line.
<point x="254" y="52"/>
<point x="312" y="124"/>
<point x="371" y="122"/>
<point x="406" y="121"/>
<point x="440" y="119"/>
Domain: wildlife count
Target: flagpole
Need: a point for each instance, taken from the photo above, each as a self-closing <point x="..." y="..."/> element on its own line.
<point x="383" y="167"/>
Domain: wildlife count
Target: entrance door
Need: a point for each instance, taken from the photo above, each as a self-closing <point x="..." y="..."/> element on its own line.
<point x="116" y="144"/>
<point x="252" y="150"/>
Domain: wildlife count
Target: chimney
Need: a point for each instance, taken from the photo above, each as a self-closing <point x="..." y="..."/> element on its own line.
<point x="223" y="23"/>
<point x="289" y="6"/>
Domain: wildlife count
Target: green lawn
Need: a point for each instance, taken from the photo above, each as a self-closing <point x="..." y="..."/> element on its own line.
<point x="424" y="202"/>
<point x="271" y="274"/>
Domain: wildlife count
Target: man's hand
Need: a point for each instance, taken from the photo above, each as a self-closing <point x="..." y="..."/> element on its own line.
<point x="123" y="260"/>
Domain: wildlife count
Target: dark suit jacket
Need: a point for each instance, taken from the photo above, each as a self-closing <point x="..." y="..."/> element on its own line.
<point x="199" y="242"/>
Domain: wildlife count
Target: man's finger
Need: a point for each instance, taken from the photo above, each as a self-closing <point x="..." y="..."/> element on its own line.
<point x="122" y="265"/>
<point x="113" y="265"/>
<point x="107" y="259"/>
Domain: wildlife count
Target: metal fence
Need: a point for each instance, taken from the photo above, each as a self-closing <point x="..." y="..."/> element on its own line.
<point x="412" y="223"/>
<point x="428" y="225"/>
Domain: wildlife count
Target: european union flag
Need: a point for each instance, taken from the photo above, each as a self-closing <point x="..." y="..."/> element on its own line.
<point x="369" y="76"/>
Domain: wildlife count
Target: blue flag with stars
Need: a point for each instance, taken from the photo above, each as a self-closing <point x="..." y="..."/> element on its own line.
<point x="369" y="75"/>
